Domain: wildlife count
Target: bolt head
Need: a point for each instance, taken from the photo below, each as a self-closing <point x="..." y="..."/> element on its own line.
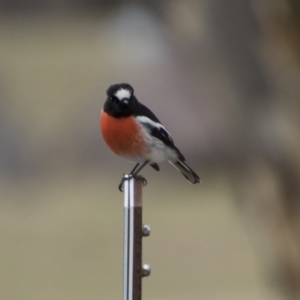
<point x="146" y="230"/>
<point x="146" y="270"/>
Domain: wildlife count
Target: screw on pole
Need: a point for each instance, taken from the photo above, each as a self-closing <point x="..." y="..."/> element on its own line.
<point x="134" y="231"/>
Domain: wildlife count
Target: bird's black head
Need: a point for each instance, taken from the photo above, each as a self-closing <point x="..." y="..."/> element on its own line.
<point x="120" y="101"/>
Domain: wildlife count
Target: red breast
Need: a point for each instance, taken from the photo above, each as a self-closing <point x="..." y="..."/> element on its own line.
<point x="122" y="135"/>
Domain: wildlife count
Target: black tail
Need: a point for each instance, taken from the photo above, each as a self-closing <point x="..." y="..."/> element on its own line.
<point x="186" y="171"/>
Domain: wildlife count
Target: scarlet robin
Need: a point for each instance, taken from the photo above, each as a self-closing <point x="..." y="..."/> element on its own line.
<point x="132" y="131"/>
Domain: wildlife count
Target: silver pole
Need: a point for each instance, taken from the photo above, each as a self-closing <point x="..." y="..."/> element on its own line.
<point x="134" y="230"/>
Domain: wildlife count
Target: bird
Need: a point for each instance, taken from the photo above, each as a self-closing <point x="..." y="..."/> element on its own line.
<point x="132" y="131"/>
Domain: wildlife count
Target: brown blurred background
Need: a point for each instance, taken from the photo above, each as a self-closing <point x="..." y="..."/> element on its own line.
<point x="224" y="78"/>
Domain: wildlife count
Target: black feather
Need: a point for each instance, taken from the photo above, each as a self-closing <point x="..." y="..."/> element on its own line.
<point x="142" y="110"/>
<point x="186" y="171"/>
<point x="155" y="166"/>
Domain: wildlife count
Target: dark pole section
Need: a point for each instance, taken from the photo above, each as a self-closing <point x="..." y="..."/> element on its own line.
<point x="133" y="234"/>
<point x="137" y="247"/>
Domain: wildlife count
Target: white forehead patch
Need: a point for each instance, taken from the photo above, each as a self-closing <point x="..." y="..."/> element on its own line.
<point x="122" y="93"/>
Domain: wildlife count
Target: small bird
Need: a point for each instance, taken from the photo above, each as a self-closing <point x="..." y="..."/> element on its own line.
<point x="132" y="131"/>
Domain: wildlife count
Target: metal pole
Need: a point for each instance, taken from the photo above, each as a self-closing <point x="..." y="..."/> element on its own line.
<point x="134" y="230"/>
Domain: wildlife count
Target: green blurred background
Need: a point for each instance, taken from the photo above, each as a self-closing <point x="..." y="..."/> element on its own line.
<point x="224" y="78"/>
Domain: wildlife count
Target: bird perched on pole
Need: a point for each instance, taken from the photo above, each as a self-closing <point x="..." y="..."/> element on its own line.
<point x="132" y="131"/>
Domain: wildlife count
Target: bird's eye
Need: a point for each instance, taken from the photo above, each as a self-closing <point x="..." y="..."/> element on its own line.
<point x="113" y="99"/>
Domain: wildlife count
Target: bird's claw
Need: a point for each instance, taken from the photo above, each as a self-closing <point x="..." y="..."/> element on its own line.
<point x="121" y="186"/>
<point x="122" y="182"/>
<point x="143" y="179"/>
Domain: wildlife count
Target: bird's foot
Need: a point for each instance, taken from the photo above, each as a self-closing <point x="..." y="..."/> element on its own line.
<point x="128" y="177"/>
<point x="124" y="178"/>
<point x="144" y="180"/>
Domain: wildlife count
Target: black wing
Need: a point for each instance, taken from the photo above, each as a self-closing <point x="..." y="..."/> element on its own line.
<point x="157" y="131"/>
<point x="142" y="110"/>
<point x="161" y="134"/>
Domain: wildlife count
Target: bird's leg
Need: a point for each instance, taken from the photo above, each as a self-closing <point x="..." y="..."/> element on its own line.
<point x="134" y="172"/>
<point x="135" y="167"/>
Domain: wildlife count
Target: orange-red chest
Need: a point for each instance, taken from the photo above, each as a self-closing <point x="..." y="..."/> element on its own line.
<point x="122" y="135"/>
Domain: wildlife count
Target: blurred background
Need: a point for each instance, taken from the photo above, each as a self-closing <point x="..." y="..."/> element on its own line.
<point x="224" y="78"/>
